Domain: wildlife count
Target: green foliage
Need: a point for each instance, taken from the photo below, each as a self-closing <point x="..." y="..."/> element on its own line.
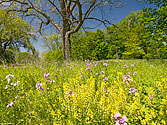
<point x="141" y="34"/>
<point x="53" y="56"/>
<point x="52" y="42"/>
<point x="25" y="57"/>
<point x="14" y="33"/>
<point x="91" y="45"/>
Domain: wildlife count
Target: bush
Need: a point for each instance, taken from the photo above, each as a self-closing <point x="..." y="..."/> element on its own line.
<point x="56" y="55"/>
<point x="25" y="57"/>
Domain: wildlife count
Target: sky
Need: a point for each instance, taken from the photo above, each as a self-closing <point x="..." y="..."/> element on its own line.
<point x="117" y="14"/>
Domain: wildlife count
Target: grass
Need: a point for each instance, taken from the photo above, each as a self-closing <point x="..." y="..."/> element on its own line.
<point x="103" y="92"/>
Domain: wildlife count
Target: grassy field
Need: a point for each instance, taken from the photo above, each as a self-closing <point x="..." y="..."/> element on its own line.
<point x="105" y="92"/>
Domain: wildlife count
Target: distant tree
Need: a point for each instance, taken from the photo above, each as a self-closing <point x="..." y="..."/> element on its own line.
<point x="68" y="16"/>
<point x="52" y="42"/>
<point x="14" y="33"/>
<point x="89" y="45"/>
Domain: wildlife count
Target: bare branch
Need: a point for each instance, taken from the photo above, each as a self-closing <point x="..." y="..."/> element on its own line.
<point x="55" y="7"/>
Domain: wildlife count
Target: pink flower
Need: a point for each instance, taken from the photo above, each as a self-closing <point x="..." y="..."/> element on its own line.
<point x="132" y="90"/>
<point x="46" y="75"/>
<point x="121" y="121"/>
<point x="105" y="64"/>
<point x="125" y="66"/>
<point x="132" y="65"/>
<point x="117" y="115"/>
<point x="134" y="73"/>
<point x="10" y="104"/>
<point x="70" y="93"/>
<point x="117" y="122"/>
<point x="38" y="85"/>
<point x="125" y="118"/>
<point x="151" y="97"/>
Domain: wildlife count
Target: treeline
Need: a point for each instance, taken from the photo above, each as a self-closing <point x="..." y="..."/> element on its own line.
<point x="141" y="35"/>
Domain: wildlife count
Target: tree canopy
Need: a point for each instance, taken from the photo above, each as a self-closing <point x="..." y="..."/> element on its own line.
<point x="68" y="16"/>
<point x="14" y="33"/>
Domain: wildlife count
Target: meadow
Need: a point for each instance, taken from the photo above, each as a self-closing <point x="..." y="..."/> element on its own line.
<point x="120" y="92"/>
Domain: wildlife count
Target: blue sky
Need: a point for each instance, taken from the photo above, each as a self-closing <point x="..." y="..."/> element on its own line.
<point x="116" y="13"/>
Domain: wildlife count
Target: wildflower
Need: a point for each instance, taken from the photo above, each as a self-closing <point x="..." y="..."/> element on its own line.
<point x="6" y="86"/>
<point x="134" y="73"/>
<point x="132" y="65"/>
<point x="117" y="115"/>
<point x="16" y="97"/>
<point x="71" y="68"/>
<point x="42" y="89"/>
<point x="95" y="64"/>
<point x="151" y="97"/>
<point x="10" y="104"/>
<point x="46" y="75"/>
<point x="13" y="65"/>
<point x="47" y="89"/>
<point x="125" y="66"/>
<point x="129" y="80"/>
<point x="105" y="64"/>
<point x="96" y="73"/>
<point x="38" y="85"/>
<point x="105" y="79"/>
<point x="102" y="72"/>
<point x="119" y="120"/>
<point x="8" y="77"/>
<point x="70" y="93"/>
<point x="17" y="63"/>
<point x="86" y="68"/>
<point x="67" y="63"/>
<point x="125" y="118"/>
<point x="132" y="90"/>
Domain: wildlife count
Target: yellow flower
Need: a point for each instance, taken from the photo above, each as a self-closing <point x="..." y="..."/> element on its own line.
<point x="163" y="122"/>
<point x="164" y="101"/>
<point x="161" y="113"/>
<point x="53" y="113"/>
<point x="153" y="123"/>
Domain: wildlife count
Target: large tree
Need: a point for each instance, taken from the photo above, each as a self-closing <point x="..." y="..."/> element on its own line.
<point x="14" y="33"/>
<point x="67" y="16"/>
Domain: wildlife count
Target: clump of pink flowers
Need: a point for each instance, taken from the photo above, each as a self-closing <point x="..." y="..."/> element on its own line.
<point x="119" y="120"/>
<point x="46" y="75"/>
<point x="132" y="90"/>
<point x="10" y="104"/>
<point x="38" y="85"/>
<point x="105" y="64"/>
<point x="125" y="66"/>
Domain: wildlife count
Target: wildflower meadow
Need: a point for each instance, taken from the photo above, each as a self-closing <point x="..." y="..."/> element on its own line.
<point x="115" y="92"/>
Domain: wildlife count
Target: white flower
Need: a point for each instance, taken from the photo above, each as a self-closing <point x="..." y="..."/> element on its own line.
<point x="8" y="77"/>
<point x="6" y="86"/>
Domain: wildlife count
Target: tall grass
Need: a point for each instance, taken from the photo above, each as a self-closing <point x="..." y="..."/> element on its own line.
<point x="103" y="92"/>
